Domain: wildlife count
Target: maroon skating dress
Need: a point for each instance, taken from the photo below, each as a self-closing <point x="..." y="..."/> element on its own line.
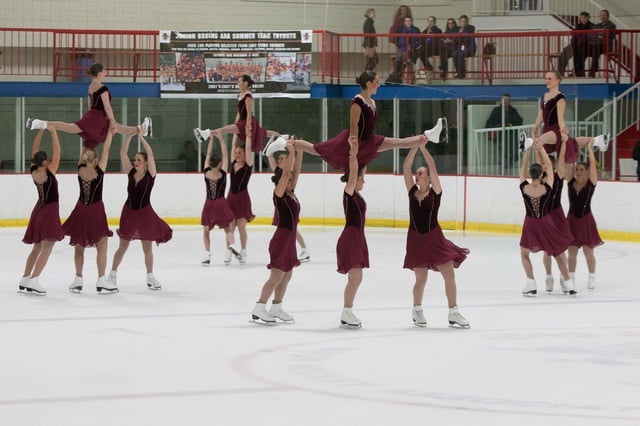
<point x="336" y="151"/>
<point x="426" y="245"/>
<point x="258" y="134"/>
<point x="282" y="247"/>
<point x="238" y="196"/>
<point x="581" y="222"/>
<point x="94" y="123"/>
<point x="352" y="250"/>
<point x="138" y="220"/>
<point x="556" y="211"/>
<point x="87" y="223"/>
<point x="550" y="120"/>
<point x="539" y="232"/>
<point x="44" y="223"/>
<point x="216" y="210"/>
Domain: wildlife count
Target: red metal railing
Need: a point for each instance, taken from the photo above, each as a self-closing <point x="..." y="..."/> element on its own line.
<point x="338" y="58"/>
<point x="66" y="54"/>
<point x="511" y="56"/>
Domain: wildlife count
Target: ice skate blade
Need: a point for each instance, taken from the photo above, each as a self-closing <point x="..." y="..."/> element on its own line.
<point x="347" y="326"/>
<point x="30" y="291"/>
<point x="284" y="321"/>
<point x="29" y="121"/>
<point x="76" y="290"/>
<point x="304" y="259"/>
<point x="530" y="293"/>
<point x="419" y="324"/>
<point x="453" y="324"/>
<point x="150" y="287"/>
<point x="257" y="320"/>
<point x="107" y="290"/>
<point x="570" y="292"/>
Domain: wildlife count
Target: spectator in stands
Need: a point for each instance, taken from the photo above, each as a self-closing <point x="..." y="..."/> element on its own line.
<point x="189" y="155"/>
<point x="430" y="46"/>
<point x="408" y="47"/>
<point x="636" y="156"/>
<point x="398" y="21"/>
<point x="511" y="118"/>
<point x="466" y="46"/>
<point x="580" y="44"/>
<point x="370" y="42"/>
<point x="447" y="46"/>
<point x="601" y="39"/>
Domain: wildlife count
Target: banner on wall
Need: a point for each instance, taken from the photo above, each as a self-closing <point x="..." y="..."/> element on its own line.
<point x="210" y="62"/>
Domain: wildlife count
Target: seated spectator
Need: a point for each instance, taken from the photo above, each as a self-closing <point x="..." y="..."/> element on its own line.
<point x="430" y="46"/>
<point x="601" y="40"/>
<point x="466" y="46"/>
<point x="580" y="44"/>
<point x="447" y="46"/>
<point x="408" y="46"/>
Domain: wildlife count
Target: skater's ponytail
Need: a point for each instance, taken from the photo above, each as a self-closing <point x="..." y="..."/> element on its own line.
<point x="277" y="174"/>
<point x="95" y="69"/>
<point x="39" y="158"/>
<point x="247" y="79"/>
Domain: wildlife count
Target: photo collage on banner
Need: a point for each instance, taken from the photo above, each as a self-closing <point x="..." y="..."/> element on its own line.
<point x="210" y="62"/>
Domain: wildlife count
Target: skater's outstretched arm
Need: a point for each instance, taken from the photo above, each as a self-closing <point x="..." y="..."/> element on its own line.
<point x="55" y="146"/>
<point x="593" y="171"/>
<point x="36" y="142"/>
<point x="297" y="166"/>
<point x="124" y="154"/>
<point x="546" y="163"/>
<point x="433" y="170"/>
<point x="350" y="187"/>
<point x="406" y="168"/>
<point x="207" y="158"/>
<point x="151" y="161"/>
<point x="281" y="187"/>
<point x="106" y="146"/>
<point x="525" y="164"/>
<point x="224" y="153"/>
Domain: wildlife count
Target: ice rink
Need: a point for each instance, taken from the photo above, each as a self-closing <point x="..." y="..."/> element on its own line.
<point x="188" y="355"/>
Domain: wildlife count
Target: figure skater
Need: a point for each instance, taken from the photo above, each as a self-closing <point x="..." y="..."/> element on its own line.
<point x="216" y="210"/>
<point x="539" y="232"/>
<point x="87" y="224"/>
<point x="362" y="122"/>
<point x="581" y="187"/>
<point x="275" y="162"/>
<point x="427" y="248"/>
<point x="44" y="227"/>
<point x="246" y="125"/>
<point x="138" y="220"/>
<point x="551" y="114"/>
<point x="282" y="247"/>
<point x="351" y="251"/>
<point x="95" y="123"/>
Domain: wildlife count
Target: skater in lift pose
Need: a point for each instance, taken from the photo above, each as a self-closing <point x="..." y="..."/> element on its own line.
<point x="44" y="227"/>
<point x="282" y="247"/>
<point x="427" y="248"/>
<point x="99" y="120"/>
<point x="551" y="114"/>
<point x="246" y="125"/>
<point x="363" y="116"/>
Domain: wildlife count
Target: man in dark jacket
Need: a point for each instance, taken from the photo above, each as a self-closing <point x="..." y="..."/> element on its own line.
<point x="511" y="118"/>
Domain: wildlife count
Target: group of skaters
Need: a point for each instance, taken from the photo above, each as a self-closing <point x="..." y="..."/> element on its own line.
<point x="351" y="151"/>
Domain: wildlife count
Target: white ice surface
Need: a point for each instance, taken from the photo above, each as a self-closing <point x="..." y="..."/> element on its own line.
<point x="188" y="355"/>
